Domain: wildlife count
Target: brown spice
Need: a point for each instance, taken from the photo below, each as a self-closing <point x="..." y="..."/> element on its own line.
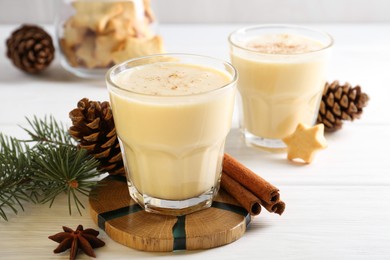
<point x="262" y="189"/>
<point x="277" y="207"/>
<point x="86" y="240"/>
<point x="249" y="201"/>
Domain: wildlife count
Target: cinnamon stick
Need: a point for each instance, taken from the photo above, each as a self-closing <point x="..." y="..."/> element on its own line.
<point x="246" y="198"/>
<point x="277" y="207"/>
<point x="263" y="190"/>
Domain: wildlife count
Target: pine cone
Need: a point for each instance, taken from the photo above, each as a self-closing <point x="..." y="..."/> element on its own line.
<point x="94" y="129"/>
<point x="340" y="102"/>
<point x="30" y="48"/>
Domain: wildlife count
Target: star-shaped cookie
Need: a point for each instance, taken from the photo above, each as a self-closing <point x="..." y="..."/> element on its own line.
<point x="305" y="142"/>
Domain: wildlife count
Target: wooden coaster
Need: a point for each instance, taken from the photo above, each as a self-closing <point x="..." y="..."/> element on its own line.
<point x="127" y="223"/>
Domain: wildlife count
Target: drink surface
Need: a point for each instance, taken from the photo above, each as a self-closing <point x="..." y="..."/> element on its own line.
<point x="283" y="43"/>
<point x="171" y="79"/>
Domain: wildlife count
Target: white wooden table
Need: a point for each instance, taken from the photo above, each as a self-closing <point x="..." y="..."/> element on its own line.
<point x="337" y="207"/>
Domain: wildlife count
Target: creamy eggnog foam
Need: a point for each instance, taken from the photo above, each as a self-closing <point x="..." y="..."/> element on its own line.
<point x="283" y="44"/>
<point x="170" y="79"/>
<point x="173" y="135"/>
<point x="281" y="79"/>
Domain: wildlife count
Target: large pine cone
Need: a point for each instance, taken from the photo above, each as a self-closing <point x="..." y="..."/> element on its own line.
<point x="94" y="129"/>
<point x="340" y="102"/>
<point x="30" y="48"/>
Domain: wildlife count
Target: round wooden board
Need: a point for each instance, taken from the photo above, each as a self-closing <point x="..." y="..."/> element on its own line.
<point x="127" y="223"/>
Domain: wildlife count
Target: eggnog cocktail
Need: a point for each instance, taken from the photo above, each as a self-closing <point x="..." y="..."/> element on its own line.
<point x="282" y="75"/>
<point x="172" y="114"/>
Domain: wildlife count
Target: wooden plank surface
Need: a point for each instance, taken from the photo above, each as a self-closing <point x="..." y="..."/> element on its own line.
<point x="320" y="222"/>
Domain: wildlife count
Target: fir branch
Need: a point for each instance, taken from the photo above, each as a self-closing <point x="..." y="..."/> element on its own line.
<point x="48" y="131"/>
<point x="15" y="175"/>
<point x="52" y="165"/>
<point x="64" y="169"/>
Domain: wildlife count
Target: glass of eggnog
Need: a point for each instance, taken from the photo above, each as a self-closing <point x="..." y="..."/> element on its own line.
<point x="172" y="114"/>
<point x="282" y="75"/>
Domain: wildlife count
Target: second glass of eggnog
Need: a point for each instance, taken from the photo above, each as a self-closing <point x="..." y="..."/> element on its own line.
<point x="282" y="75"/>
<point x="172" y="114"/>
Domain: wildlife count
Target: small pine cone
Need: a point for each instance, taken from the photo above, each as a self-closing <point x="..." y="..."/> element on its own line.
<point x="340" y="102"/>
<point x="30" y="48"/>
<point x="94" y="129"/>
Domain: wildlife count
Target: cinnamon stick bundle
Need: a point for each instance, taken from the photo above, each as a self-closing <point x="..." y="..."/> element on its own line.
<point x="267" y="193"/>
<point x="249" y="201"/>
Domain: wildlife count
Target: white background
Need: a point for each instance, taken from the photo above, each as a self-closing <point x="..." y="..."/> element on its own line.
<point x="224" y="11"/>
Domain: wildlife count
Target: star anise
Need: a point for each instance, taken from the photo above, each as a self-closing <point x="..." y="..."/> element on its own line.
<point x="82" y="239"/>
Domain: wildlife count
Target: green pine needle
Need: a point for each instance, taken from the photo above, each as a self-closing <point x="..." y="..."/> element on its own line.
<point x="64" y="169"/>
<point x="14" y="175"/>
<point x="48" y="131"/>
<point x="52" y="165"/>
